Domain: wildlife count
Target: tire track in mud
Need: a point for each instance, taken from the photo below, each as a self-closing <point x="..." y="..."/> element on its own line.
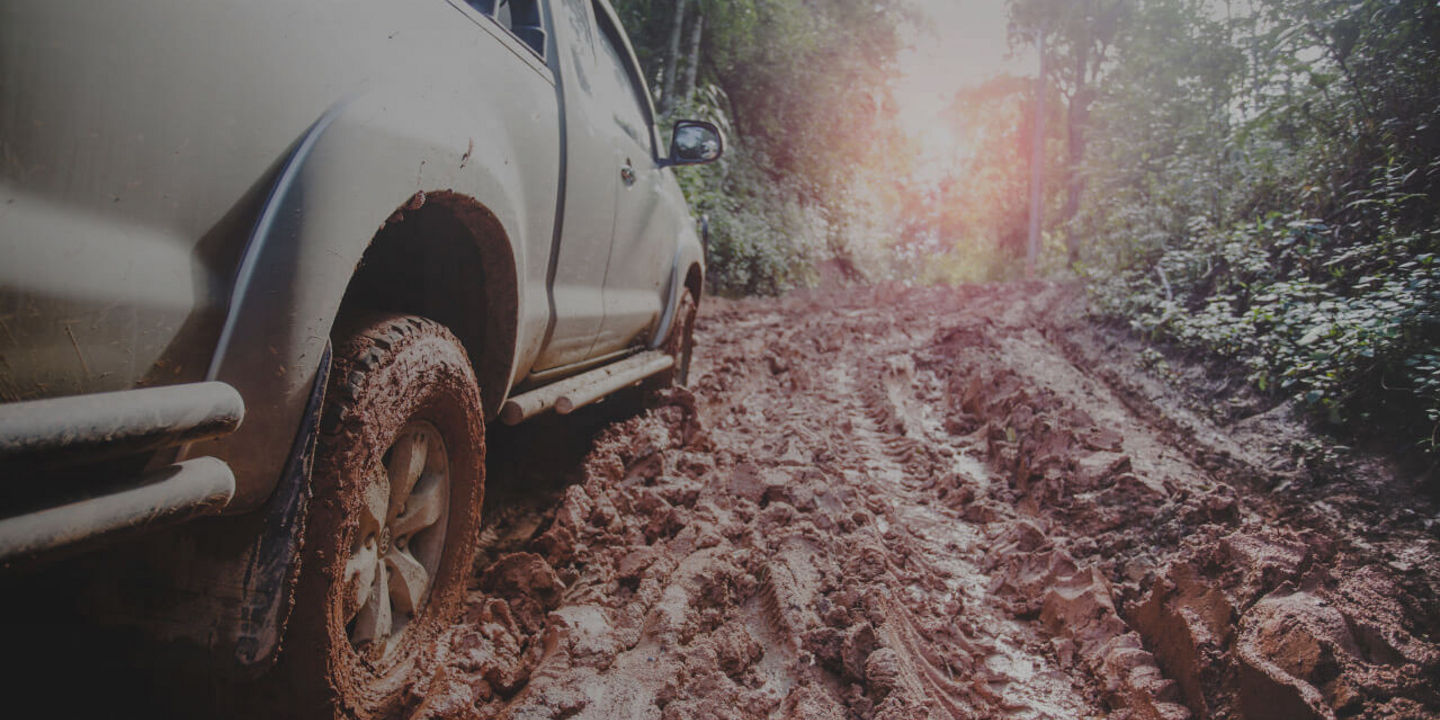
<point x="897" y="455"/>
<point x="1012" y="674"/>
<point x="898" y="504"/>
<point x="1238" y="603"/>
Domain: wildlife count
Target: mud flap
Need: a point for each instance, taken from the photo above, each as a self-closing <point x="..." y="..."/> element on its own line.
<point x="213" y="596"/>
<point x="272" y="567"/>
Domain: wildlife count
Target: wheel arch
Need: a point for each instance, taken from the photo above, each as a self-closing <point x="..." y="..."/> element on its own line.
<point x="338" y="195"/>
<point x="448" y="260"/>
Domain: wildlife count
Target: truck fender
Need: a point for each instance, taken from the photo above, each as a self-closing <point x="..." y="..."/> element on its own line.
<point x="338" y="188"/>
<point x="307" y="242"/>
<point x="672" y="299"/>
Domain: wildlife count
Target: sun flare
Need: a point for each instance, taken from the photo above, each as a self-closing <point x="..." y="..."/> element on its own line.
<point x="962" y="44"/>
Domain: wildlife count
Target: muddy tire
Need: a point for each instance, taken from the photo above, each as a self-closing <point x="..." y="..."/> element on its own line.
<point x="679" y="344"/>
<point x="398" y="485"/>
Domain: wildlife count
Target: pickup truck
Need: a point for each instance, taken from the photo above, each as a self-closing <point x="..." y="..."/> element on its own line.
<point x="267" y="271"/>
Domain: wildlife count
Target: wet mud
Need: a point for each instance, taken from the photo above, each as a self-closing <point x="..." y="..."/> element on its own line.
<point x="968" y="503"/>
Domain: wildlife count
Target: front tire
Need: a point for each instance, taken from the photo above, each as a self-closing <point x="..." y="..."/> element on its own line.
<point x="398" y="485"/>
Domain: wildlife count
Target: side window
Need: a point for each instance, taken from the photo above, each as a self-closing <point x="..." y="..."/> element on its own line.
<point x="624" y="95"/>
<point x="520" y="17"/>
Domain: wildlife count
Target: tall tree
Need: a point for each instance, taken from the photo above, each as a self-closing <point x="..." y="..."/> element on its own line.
<point x="672" y="58"/>
<point x="692" y="58"/>
<point x="1080" y="35"/>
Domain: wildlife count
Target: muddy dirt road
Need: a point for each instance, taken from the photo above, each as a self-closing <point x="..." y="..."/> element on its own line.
<point x="897" y="504"/>
<point x="941" y="504"/>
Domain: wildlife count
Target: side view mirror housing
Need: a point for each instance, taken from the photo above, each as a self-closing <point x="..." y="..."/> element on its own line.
<point x="695" y="142"/>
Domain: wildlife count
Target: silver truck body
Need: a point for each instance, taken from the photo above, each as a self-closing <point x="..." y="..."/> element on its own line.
<point x="144" y="142"/>
<point x="194" y="191"/>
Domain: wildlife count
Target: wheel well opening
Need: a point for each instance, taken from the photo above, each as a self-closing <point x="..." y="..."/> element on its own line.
<point x="445" y="257"/>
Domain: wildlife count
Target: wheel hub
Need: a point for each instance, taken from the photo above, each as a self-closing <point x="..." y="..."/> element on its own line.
<point x="399" y="539"/>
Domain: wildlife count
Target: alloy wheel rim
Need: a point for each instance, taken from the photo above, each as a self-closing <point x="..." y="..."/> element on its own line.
<point x="398" y="544"/>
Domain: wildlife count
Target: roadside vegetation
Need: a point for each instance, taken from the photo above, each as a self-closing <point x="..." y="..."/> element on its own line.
<point x="800" y="90"/>
<point x="1263" y="183"/>
<point x="1258" y="180"/>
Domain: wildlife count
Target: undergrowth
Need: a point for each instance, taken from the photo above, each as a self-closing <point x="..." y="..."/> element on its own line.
<point x="1349" y="326"/>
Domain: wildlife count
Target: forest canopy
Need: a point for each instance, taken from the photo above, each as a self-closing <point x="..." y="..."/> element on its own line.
<point x="1256" y="179"/>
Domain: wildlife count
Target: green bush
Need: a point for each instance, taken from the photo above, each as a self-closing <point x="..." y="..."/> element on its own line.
<point x="1351" y="329"/>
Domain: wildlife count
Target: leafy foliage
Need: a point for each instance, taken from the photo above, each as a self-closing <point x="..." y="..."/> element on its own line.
<point x="1258" y="179"/>
<point x="1283" y="298"/>
<point x="801" y="89"/>
<point x="1265" y="188"/>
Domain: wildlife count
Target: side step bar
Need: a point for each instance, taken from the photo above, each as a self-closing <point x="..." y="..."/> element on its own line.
<point x="42" y="441"/>
<point x="574" y="393"/>
<point x="201" y="486"/>
<point x="114" y="424"/>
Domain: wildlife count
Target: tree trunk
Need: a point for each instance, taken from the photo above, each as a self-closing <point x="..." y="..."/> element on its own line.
<point x="672" y="57"/>
<point x="692" y="64"/>
<point x="1037" y="167"/>
<point x="1077" y="118"/>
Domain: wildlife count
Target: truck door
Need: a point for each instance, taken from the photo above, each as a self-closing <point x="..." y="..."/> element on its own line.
<point x="591" y="179"/>
<point x="641" y="252"/>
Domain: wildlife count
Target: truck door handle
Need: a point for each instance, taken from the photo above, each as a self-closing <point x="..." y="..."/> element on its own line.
<point x="627" y="173"/>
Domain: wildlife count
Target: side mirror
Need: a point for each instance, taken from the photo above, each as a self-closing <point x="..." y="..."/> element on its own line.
<point x="695" y="142"/>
